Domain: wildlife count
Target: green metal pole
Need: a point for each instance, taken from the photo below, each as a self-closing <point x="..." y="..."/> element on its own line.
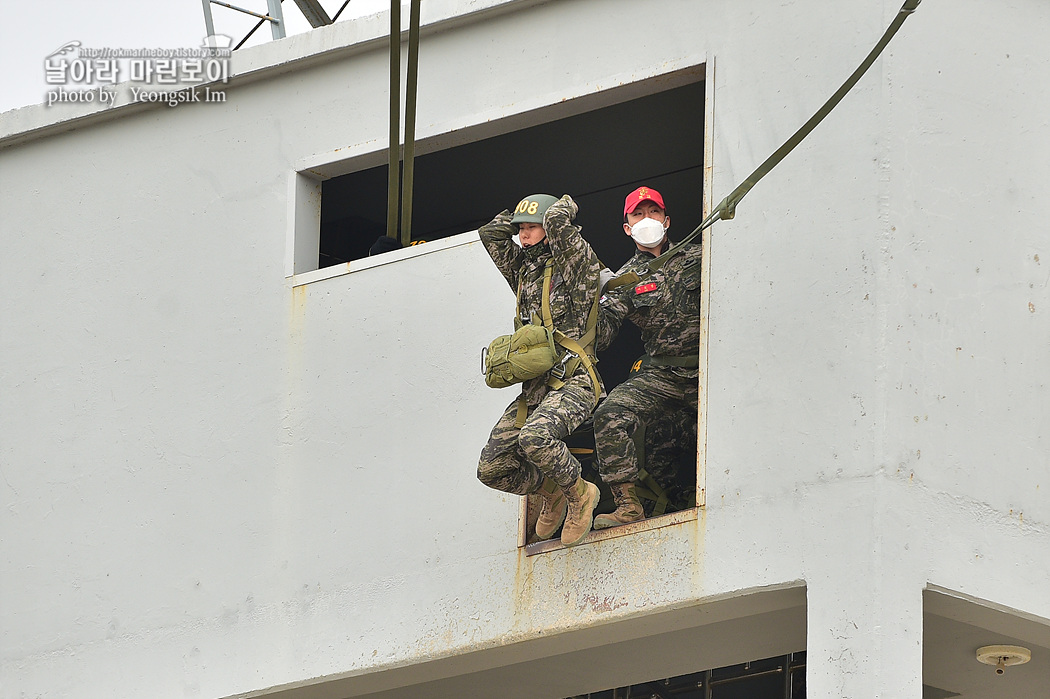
<point x="410" y="123"/>
<point x="395" y="118"/>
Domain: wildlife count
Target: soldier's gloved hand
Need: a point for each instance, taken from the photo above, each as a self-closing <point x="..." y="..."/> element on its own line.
<point x="605" y="276"/>
<point x="563" y="207"/>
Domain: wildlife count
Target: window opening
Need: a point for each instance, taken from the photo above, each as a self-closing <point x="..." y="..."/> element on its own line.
<point x="597" y="156"/>
<point x="782" y="677"/>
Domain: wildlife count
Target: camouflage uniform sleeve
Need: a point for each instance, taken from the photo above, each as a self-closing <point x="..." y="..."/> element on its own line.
<point x="608" y="329"/>
<point x="612" y="311"/>
<point x="615" y="307"/>
<point x="573" y="255"/>
<point x="496" y="236"/>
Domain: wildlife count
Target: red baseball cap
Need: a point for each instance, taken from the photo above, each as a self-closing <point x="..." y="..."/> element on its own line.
<point x="638" y="196"/>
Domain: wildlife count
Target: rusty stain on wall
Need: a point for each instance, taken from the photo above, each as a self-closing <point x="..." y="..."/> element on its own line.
<point x="599" y="604"/>
<point x="296" y="326"/>
<point x="298" y="309"/>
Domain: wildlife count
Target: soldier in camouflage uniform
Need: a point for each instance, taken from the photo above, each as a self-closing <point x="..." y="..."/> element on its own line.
<point x="666" y="308"/>
<point x="534" y="458"/>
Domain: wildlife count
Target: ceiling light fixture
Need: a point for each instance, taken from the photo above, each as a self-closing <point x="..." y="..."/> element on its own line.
<point x="1003" y="656"/>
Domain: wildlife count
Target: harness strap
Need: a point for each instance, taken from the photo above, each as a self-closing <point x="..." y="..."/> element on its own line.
<point x="649" y="489"/>
<point x="582" y="349"/>
<point x="523" y="413"/>
<point x="726" y="209"/>
<point x="545" y="300"/>
<point x="581" y="356"/>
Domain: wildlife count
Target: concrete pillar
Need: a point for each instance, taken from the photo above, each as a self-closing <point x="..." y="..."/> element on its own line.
<point x="864" y="619"/>
<point x="856" y="649"/>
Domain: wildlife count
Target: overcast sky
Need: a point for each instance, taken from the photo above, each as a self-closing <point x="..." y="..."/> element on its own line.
<point x="31" y="30"/>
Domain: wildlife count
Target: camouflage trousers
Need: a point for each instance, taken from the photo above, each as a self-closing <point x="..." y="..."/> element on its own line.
<point x="516" y="460"/>
<point x="669" y="454"/>
<point x="645" y="398"/>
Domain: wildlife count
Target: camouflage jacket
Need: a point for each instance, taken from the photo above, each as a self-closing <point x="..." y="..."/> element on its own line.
<point x="665" y="306"/>
<point x="574" y="278"/>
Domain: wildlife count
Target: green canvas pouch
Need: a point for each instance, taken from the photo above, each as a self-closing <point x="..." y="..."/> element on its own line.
<point x="527" y="354"/>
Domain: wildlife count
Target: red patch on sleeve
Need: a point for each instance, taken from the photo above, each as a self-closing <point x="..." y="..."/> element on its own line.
<point x="645" y="288"/>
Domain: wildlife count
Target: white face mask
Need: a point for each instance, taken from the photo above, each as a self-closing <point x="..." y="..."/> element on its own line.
<point x="648" y="232"/>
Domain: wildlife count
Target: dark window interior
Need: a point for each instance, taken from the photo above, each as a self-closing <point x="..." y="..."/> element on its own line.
<point x="783" y="677"/>
<point x="598" y="157"/>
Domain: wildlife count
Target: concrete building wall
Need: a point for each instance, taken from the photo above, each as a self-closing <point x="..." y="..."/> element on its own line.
<point x="220" y="479"/>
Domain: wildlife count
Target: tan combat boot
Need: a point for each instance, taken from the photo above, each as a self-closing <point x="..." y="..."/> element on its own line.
<point x="582" y="497"/>
<point x="628" y="507"/>
<point x="552" y="514"/>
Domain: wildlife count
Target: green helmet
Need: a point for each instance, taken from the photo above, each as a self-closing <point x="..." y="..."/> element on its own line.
<point x="531" y="208"/>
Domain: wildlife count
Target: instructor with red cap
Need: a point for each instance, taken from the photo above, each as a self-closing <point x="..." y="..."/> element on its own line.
<point x="666" y="308"/>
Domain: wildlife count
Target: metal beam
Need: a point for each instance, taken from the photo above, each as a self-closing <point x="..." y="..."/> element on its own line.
<point x="267" y="18"/>
<point x="314" y="13"/>
<point x="410" y="124"/>
<point x="209" y="23"/>
<point x="395" y="119"/>
<point x="276" y="18"/>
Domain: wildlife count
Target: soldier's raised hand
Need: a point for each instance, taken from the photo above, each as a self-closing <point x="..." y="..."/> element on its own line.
<point x="563" y="207"/>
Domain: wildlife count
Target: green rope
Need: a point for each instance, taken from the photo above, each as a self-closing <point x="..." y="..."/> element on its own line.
<point x="726" y="209"/>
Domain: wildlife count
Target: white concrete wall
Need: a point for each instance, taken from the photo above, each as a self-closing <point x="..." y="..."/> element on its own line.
<point x="216" y="482"/>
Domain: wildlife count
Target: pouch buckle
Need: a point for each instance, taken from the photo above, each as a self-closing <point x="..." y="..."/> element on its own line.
<point x="558" y="370"/>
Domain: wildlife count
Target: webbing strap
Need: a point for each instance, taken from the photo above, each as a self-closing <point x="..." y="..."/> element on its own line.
<point x="581" y="356"/>
<point x="523" y="406"/>
<point x="726" y="209"/>
<point x="545" y="299"/>
<point x="645" y="485"/>
<point x="583" y="349"/>
<point x="523" y="413"/>
<point x="649" y="489"/>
